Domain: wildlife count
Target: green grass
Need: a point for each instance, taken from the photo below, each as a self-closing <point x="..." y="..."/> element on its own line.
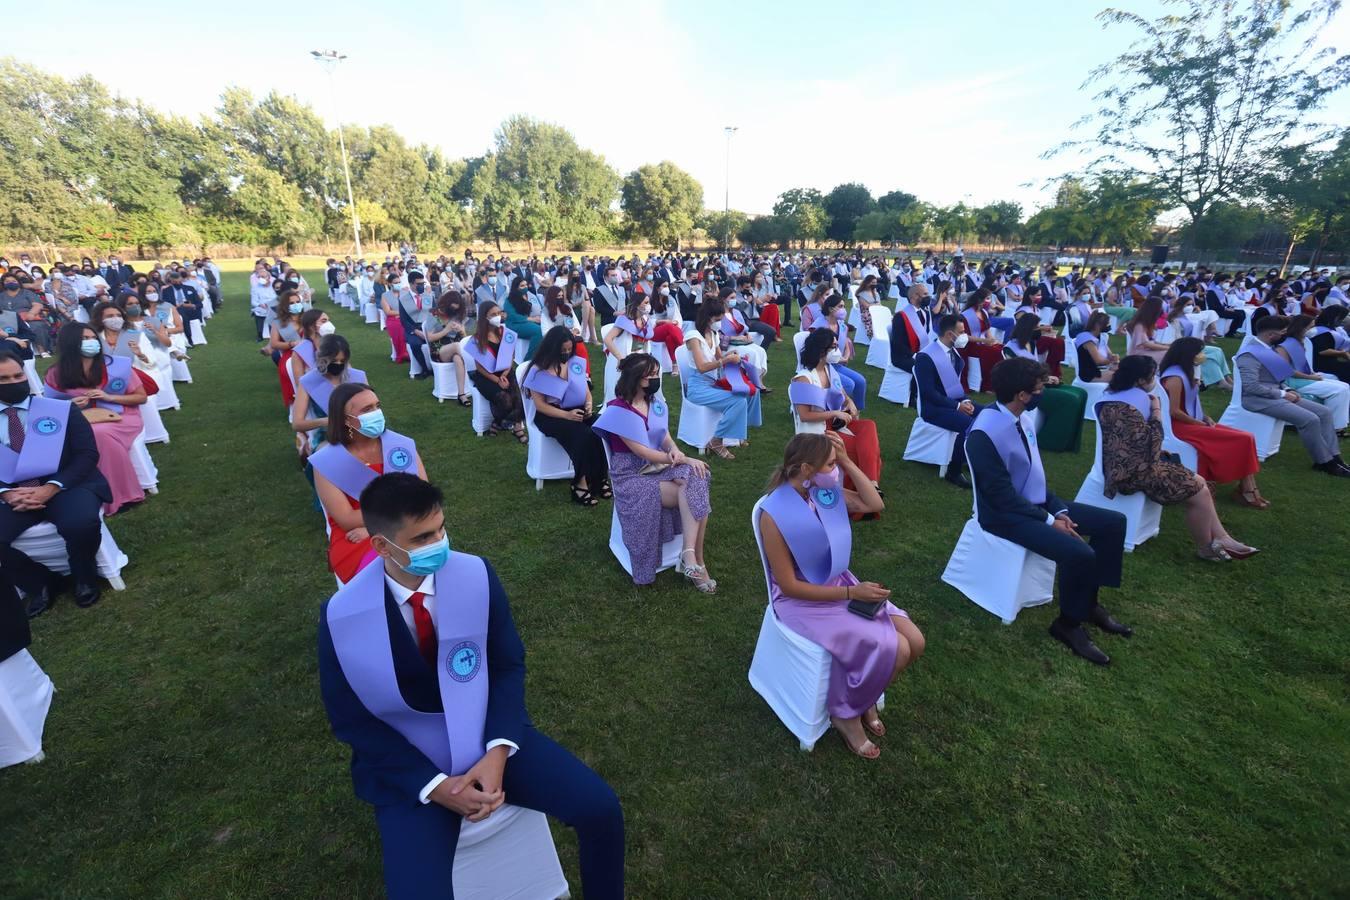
<point x="189" y="755"/>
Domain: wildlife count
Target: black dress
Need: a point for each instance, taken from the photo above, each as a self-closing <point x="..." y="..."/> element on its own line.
<point x="1338" y="367"/>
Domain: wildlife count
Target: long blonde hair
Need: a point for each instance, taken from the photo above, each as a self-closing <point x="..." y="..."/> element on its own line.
<point x="802" y="450"/>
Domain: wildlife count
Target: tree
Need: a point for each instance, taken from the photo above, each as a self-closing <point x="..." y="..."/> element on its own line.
<point x="719" y="225"/>
<point x="1205" y="101"/>
<point x="896" y="200"/>
<point x="894" y="225"/>
<point x="845" y="205"/>
<point x="1311" y="195"/>
<point x="275" y="206"/>
<point x="765" y="231"/>
<point x="661" y="203"/>
<point x="803" y="210"/>
<point x="998" y="222"/>
<point x="1108" y="211"/>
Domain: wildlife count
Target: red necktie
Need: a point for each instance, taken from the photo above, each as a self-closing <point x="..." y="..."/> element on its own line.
<point x="16" y="439"/>
<point x="426" y="632"/>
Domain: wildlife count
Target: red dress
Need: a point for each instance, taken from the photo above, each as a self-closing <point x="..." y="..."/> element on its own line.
<point x="769" y="316"/>
<point x="1053" y="348"/>
<point x="1225" y="454"/>
<point x="284" y="375"/>
<point x="345" y="559"/>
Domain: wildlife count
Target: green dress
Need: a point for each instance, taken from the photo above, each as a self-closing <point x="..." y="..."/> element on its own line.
<point x="525" y="329"/>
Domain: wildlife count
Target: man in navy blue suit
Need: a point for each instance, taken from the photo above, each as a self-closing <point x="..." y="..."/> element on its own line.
<point x="186" y="298"/>
<point x="942" y="400"/>
<point x="1013" y="502"/>
<point x="423" y="674"/>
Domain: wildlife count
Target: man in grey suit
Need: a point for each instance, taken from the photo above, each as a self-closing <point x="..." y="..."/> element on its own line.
<point x="1263" y="372"/>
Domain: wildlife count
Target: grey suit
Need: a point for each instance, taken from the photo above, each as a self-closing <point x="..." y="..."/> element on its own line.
<point x="1261" y="393"/>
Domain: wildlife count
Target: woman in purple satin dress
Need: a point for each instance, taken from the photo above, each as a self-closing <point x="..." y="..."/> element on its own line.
<point x="807" y="542"/>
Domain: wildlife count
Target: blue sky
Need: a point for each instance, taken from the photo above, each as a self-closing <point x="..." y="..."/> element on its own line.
<point x="952" y="101"/>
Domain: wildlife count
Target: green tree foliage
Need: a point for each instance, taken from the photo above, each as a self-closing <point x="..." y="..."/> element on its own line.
<point x="895" y="223"/>
<point x="661" y="203"/>
<point x="1109" y="211"/>
<point x="803" y="211"/>
<point x="723" y="227"/>
<point x="845" y="205"/>
<point x="1310" y="191"/>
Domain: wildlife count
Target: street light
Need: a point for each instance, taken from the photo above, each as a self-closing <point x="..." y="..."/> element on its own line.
<point x="726" y="199"/>
<point x="329" y="60"/>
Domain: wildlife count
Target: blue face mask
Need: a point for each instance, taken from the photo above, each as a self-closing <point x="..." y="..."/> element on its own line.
<point x="91" y="347"/>
<point x="296" y="308"/>
<point x="371" y="424"/>
<point x="426" y="560"/>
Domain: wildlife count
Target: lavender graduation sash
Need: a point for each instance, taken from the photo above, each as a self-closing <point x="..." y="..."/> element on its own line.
<point x="42" y="442"/>
<point x="1136" y="397"/>
<point x="320" y="389"/>
<point x="821" y="541"/>
<point x="305" y="350"/>
<point x="951" y="382"/>
<point x="623" y="422"/>
<point x="1018" y="350"/>
<point x="351" y="476"/>
<point x="816" y="313"/>
<point x="916" y="324"/>
<point x="118" y="381"/>
<point x="1299" y="359"/>
<point x="803" y="394"/>
<point x="1338" y="338"/>
<point x="488" y="361"/>
<point x="1084" y="337"/>
<point x="1084" y="311"/>
<point x="1275" y="364"/>
<point x="974" y="322"/>
<point x="567" y="394"/>
<point x="452" y="739"/>
<point x="1025" y="469"/>
<point x="1192" y="396"/>
<point x="645" y="333"/>
<point x="733" y="324"/>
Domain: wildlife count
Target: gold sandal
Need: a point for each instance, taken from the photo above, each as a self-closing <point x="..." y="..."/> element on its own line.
<point x="719" y="449"/>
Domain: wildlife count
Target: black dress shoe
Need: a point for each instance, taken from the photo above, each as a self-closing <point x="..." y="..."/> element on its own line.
<point x="1077" y="640"/>
<point x="1102" y="619"/>
<point x="957" y="479"/>
<point x="38" y="602"/>
<point x="86" y="595"/>
<point x="1333" y="469"/>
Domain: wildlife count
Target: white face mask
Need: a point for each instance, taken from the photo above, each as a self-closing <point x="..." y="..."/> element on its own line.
<point x="495" y="321"/>
<point x="326" y="328"/>
<point x="665" y="292"/>
<point x="834" y="357"/>
<point x="961" y="341"/>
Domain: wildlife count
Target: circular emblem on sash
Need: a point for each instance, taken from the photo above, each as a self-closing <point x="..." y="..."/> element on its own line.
<point x="399" y="458"/>
<point x="464" y="661"/>
<point x="46" y="425"/>
<point x="577" y="367"/>
<point x="9" y="329"/>
<point x="117" y="385"/>
<point x="658" y="408"/>
<point x="827" y="498"/>
<point x="509" y="337"/>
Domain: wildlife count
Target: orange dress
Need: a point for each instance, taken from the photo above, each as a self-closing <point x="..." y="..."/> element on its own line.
<point x="345" y="559"/>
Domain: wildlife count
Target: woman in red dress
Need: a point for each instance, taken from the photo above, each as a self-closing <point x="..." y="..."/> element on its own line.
<point x="982" y="346"/>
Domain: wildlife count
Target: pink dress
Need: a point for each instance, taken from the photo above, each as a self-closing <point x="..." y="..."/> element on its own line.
<point x="114" y="440"/>
<point x="1138" y="334"/>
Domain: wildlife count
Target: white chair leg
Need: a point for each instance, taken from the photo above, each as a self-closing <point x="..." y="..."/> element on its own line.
<point x="117" y="583"/>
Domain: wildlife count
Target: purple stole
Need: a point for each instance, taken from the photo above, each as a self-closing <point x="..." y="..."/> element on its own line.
<point x="42" y="442"/>
<point x="359" y="625"/>
<point x="821" y="540"/>
<point x="645" y="333"/>
<point x="351" y="476"/>
<point x="1299" y="359"/>
<point x="816" y="313"/>
<point x="916" y="326"/>
<point x="1275" y="363"/>
<point x="803" y="394"/>
<point x="733" y="324"/>
<point x="1084" y="337"/>
<point x="1136" y="397"/>
<point x="488" y="361"/>
<point x="320" y="389"/>
<point x="623" y="422"/>
<point x="1025" y="470"/>
<point x="951" y="382"/>
<point x="1084" y="310"/>
<point x="1338" y="338"/>
<point x="1188" y="391"/>
<point x="305" y="350"/>
<point x="1018" y="350"/>
<point x="118" y="376"/>
<point x="974" y="321"/>
<point x="569" y="394"/>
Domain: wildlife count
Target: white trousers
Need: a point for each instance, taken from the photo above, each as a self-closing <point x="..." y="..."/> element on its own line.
<point x="1334" y="395"/>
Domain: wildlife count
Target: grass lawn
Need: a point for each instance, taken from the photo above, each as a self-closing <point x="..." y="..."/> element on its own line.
<point x="189" y="755"/>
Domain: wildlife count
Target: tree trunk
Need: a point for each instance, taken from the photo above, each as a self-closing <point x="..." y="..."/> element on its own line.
<point x="1288" y="253"/>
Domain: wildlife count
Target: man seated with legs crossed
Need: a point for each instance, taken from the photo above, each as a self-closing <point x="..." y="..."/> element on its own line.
<point x="423" y="674"/>
<point x="1086" y="543"/>
<point x="942" y="400"/>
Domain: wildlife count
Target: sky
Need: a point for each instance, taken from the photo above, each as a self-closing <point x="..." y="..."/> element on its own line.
<point x="951" y="102"/>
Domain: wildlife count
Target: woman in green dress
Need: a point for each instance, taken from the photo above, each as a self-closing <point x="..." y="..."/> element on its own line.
<point x="521" y="316"/>
<point x="1062" y="405"/>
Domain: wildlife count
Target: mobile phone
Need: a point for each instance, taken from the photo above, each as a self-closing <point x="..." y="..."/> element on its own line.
<point x="868" y="609"/>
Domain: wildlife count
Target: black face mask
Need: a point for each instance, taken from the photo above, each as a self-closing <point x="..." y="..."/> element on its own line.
<point x="335" y="368"/>
<point x="14" y="392"/>
<point x="11" y="287"/>
<point x="649" y="388"/>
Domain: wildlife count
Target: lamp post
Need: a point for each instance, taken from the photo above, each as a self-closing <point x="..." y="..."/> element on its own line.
<point x="329" y="60"/>
<point x="726" y="199"/>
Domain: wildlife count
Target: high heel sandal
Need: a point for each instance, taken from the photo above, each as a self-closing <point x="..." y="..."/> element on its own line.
<point x="582" y="497"/>
<point x="521" y="435"/>
<point x="1215" y="552"/>
<point x="873" y="724"/>
<point x="706" y="584"/>
<point x="867" y="749"/>
<point x="606" y="491"/>
<point x="465" y="400"/>
<point x="719" y="449"/>
<point x="1245" y="553"/>
<point x="1251" y="498"/>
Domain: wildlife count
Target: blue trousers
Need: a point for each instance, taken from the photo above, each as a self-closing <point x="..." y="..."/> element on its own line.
<point x="740" y="412"/>
<point x="419" y="840"/>
<point x="855" y="385"/>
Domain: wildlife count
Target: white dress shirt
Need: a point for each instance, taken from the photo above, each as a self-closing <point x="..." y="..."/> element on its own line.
<point x="428" y="590"/>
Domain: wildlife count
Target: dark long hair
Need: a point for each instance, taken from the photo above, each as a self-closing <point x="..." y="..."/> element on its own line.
<point x="70" y="361"/>
<point x="548" y="355"/>
<point x="484" y="328"/>
<point x="1148" y="313"/>
<point x="555" y="301"/>
<point x="659" y="302"/>
<point x="1132" y="370"/>
<point x="519" y="295"/>
<point x="635" y="369"/>
<point x="706" y="310"/>
<point x="818" y="343"/>
<point x="1182" y="354"/>
<point x="339" y="431"/>
<point x="1025" y="331"/>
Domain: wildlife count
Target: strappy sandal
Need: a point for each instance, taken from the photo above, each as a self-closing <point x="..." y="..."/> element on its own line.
<point x="582" y="497"/>
<point x="494" y="429"/>
<point x="465" y="400"/>
<point x="1215" y="552"/>
<point x="705" y="584"/>
<point x="1252" y="499"/>
<point x="867" y="749"/>
<point x="606" y="491"/>
<point x="522" y="436"/>
<point x="719" y="449"/>
<point x="873" y="724"/>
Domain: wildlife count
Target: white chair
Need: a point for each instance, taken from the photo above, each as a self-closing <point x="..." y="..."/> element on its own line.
<point x="25" y="696"/>
<point x="611" y="375"/>
<point x="545" y="458"/>
<point x="1267" y="430"/>
<point x="997" y="575"/>
<point x="482" y="411"/>
<point x="508" y="854"/>
<point x="419" y="363"/>
<point x="146" y="472"/>
<point x="879" y="351"/>
<point x="197" y="331"/>
<point x="372" y="313"/>
<point x="35" y="384"/>
<point x="443" y="384"/>
<point x="798" y="342"/>
<point x="896" y="385"/>
<point x="791" y="673"/>
<point x="1094" y="390"/>
<point x="661" y="352"/>
<point x="697" y="423"/>
<point x="974" y="374"/>
<point x="855" y="319"/>
<point x="670" y="551"/>
<point x="43" y="545"/>
<point x="181" y="372"/>
<point x="1190" y="458"/>
<point x="929" y="443"/>
<point x="1143" y="517"/>
<point x="152" y="424"/>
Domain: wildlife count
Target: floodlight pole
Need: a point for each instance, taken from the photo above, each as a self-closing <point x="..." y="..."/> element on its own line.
<point x="329" y="60"/>
<point x="726" y="199"/>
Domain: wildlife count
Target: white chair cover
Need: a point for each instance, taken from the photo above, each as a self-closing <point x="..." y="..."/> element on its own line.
<point x="372" y="313"/>
<point x="443" y="386"/>
<point x="929" y="443"/>
<point x="1171" y="443"/>
<point x="146" y="472"/>
<point x="545" y="458"/>
<point x="198" y="332"/>
<point x="1267" y="430"/>
<point x="1143" y="517"/>
<point x="35" y="385"/>
<point x="879" y="351"/>
<point x="25" y="696"/>
<point x="510" y="854"/>
<point x="153" y="430"/>
<point x="697" y="423"/>
<point x="44" y="546"/>
<point x="670" y="551"/>
<point x="1094" y="390"/>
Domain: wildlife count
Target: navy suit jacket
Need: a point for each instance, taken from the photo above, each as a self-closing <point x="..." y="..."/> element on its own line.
<point x="79" y="459"/>
<point x="931" y="392"/>
<point x="998" y="504"/>
<point x="386" y="768"/>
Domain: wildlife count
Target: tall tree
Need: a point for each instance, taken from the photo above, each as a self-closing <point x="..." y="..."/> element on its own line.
<point x="661" y="203"/>
<point x="803" y="210"/>
<point x="1207" y="97"/>
<point x="845" y="205"/>
<point x="1310" y="191"/>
